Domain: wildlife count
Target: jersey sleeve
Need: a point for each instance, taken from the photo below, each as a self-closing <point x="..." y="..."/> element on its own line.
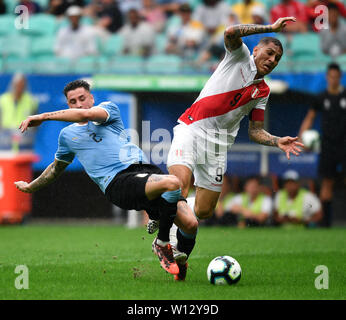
<point x="112" y="110"/>
<point x="257" y="113"/>
<point x="240" y="54"/>
<point x="63" y="153"/>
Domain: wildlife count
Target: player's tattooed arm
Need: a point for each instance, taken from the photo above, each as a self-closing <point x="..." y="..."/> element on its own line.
<point x="49" y="175"/>
<point x="70" y="115"/>
<point x="258" y="134"/>
<point x="233" y="34"/>
<point x="286" y="144"/>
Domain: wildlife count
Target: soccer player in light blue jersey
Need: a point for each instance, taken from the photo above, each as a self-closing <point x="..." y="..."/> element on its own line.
<point x="97" y="138"/>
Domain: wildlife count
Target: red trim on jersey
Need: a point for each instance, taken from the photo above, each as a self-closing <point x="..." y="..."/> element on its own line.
<point x="219" y="104"/>
<point x="256" y="115"/>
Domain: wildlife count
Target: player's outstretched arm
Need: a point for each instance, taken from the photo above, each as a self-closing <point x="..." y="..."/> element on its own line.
<point x="286" y="144"/>
<point x="233" y="34"/>
<point x="68" y="115"/>
<point x="50" y="174"/>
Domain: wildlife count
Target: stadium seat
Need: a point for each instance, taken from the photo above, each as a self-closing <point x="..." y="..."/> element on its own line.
<point x="10" y="5"/>
<point x="41" y="25"/>
<point x="85" y="65"/>
<point x="164" y="63"/>
<point x="15" y="45"/>
<point x="305" y="44"/>
<point x="7" y="25"/>
<point x="43" y="4"/>
<point x="342" y="61"/>
<point x="52" y="65"/>
<point x="121" y="64"/>
<point x="307" y="63"/>
<point x="160" y="43"/>
<point x="42" y="46"/>
<point x="18" y="64"/>
<point x="113" y="45"/>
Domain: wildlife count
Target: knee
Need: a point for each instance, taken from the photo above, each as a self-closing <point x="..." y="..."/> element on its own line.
<point x="172" y="183"/>
<point x="191" y="226"/>
<point x="204" y="213"/>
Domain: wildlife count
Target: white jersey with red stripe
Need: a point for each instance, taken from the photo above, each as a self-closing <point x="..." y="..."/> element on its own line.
<point x="230" y="94"/>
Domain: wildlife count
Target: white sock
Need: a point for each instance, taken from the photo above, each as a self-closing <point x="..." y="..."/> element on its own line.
<point x="162" y="243"/>
<point x="173" y="235"/>
<point x="191" y="204"/>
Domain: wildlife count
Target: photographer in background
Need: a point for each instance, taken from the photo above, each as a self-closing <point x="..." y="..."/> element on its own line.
<point x="332" y="105"/>
<point x="296" y="205"/>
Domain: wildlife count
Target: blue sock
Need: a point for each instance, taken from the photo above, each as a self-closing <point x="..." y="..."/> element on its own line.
<point x="172" y="196"/>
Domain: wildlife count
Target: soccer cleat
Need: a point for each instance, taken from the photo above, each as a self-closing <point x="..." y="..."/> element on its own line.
<point x="182" y="272"/>
<point x="181" y="260"/>
<point x="179" y="257"/>
<point x="165" y="255"/>
<point x="153" y="226"/>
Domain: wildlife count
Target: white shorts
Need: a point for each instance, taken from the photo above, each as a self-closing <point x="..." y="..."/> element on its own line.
<point x="191" y="151"/>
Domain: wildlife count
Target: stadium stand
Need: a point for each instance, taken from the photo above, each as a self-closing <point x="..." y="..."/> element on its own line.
<point x="28" y="47"/>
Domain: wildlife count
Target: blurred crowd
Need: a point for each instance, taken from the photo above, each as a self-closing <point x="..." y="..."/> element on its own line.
<point x="191" y="29"/>
<point x="269" y="201"/>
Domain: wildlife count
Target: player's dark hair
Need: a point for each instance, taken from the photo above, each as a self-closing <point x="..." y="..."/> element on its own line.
<point x="267" y="40"/>
<point x="253" y="177"/>
<point x="332" y="6"/>
<point x="75" y="85"/>
<point x="333" y="66"/>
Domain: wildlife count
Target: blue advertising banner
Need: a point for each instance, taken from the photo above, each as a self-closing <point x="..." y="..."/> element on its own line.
<point x="306" y="164"/>
<point x="243" y="163"/>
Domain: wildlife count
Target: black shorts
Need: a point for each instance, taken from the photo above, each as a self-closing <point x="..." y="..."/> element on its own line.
<point x="127" y="189"/>
<point x="332" y="159"/>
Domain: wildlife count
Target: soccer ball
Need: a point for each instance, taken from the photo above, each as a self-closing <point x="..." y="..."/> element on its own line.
<point x="224" y="270"/>
<point x="311" y="139"/>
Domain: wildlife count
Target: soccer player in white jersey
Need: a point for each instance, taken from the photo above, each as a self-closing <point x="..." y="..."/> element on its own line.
<point x="207" y="129"/>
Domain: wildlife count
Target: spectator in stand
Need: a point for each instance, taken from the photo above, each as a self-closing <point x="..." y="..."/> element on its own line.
<point x="296" y="205"/>
<point x="333" y="39"/>
<point x="16" y="104"/>
<point x="252" y="207"/>
<point x="153" y="14"/>
<point x="109" y="16"/>
<point x="243" y="10"/>
<point x="214" y="49"/>
<point x="288" y="8"/>
<point x="75" y="40"/>
<point x="186" y="38"/>
<point x="126" y="5"/>
<point x="212" y="14"/>
<point x="59" y="7"/>
<point x="139" y="36"/>
<point x="2" y="7"/>
<point x="32" y="6"/>
<point x="258" y="16"/>
<point x="170" y="6"/>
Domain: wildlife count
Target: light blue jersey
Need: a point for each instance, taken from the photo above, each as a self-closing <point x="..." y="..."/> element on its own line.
<point x="103" y="149"/>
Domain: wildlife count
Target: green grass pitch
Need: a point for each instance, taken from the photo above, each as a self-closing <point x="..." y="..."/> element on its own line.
<point x="112" y="262"/>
